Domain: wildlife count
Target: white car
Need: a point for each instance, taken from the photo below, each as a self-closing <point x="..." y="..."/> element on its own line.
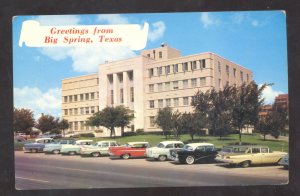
<point x="162" y="150"/>
<point x="98" y="149"/>
<point x="73" y="149"/>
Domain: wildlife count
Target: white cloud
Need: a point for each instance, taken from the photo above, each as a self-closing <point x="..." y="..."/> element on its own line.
<point x="158" y="30"/>
<point x="208" y="20"/>
<point x="33" y="98"/>
<point x="58" y="20"/>
<point x="112" y="19"/>
<point x="269" y="94"/>
<point x="87" y="59"/>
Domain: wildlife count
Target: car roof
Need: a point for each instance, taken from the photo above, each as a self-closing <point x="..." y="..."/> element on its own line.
<point x="248" y="146"/>
<point x="77" y="141"/>
<point x="194" y="145"/>
<point x="133" y="143"/>
<point x="45" y="138"/>
<point x="99" y="142"/>
<point x="171" y="142"/>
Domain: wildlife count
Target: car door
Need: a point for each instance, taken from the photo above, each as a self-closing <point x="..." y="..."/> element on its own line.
<point x="256" y="156"/>
<point x="200" y="153"/>
<point x="266" y="156"/>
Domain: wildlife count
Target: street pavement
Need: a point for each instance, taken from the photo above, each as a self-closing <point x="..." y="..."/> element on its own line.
<point x="46" y="171"/>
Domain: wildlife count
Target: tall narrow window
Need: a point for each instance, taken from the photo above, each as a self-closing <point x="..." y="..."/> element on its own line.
<point x="168" y="102"/>
<point x="120" y="77"/>
<point x="121" y="96"/>
<point x="175" y="68"/>
<point x="75" y="125"/>
<point x="112" y="97"/>
<point x="167" y="86"/>
<point x="92" y="110"/>
<point x="167" y="69"/>
<point x="176" y="102"/>
<point x="234" y="72"/>
<point x="219" y="66"/>
<point x="159" y="71"/>
<point x="185" y="100"/>
<point x="131" y="94"/>
<point x="82" y="125"/>
<point x="194" y="82"/>
<point x="160" y="54"/>
<point x="185" y="83"/>
<point x="194" y="65"/>
<point x="65" y="99"/>
<point x="70" y="98"/>
<point x="151" y="72"/>
<point x="160" y="103"/>
<point x="242" y="76"/>
<point x="75" y="111"/>
<point x="70" y="126"/>
<point x="151" y="103"/>
<point x="202" y="64"/>
<point x="87" y="110"/>
<point x="185" y="66"/>
<point x="87" y="97"/>
<point x="151" y="88"/>
<point x="202" y="81"/>
<point x="75" y="97"/>
<point x="81" y="111"/>
<point x="130" y="75"/>
<point x="247" y="78"/>
<point x="66" y="112"/>
<point x="227" y="70"/>
<point x="159" y="87"/>
<point x="81" y="97"/>
<point x="71" y="111"/>
<point x="152" y="121"/>
<point x="175" y="85"/>
<point x="92" y="95"/>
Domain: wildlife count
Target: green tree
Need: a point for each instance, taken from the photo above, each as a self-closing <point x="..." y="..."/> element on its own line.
<point x="23" y="120"/>
<point x="164" y="120"/>
<point x="111" y="117"/>
<point x="125" y="116"/>
<point x="246" y="105"/>
<point x="177" y="124"/>
<point x="47" y="123"/>
<point x="63" y="124"/>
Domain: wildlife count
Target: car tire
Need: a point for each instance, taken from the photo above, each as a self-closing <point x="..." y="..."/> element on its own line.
<point x="162" y="158"/>
<point x="245" y="164"/>
<point x="33" y="150"/>
<point x="95" y="154"/>
<point x="72" y="153"/>
<point x="56" y="151"/>
<point x="190" y="160"/>
<point x="125" y="156"/>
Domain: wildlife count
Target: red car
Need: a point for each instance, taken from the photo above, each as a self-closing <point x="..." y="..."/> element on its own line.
<point x="131" y="149"/>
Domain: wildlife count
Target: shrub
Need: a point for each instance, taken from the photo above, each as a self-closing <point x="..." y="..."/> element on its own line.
<point x="18" y="146"/>
<point x="140" y="132"/>
<point x="87" y="135"/>
<point x="130" y="133"/>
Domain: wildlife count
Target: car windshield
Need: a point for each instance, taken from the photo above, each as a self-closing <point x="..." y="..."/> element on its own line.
<point x="240" y="149"/>
<point x="160" y="145"/>
<point x="187" y="147"/>
<point x="227" y="149"/>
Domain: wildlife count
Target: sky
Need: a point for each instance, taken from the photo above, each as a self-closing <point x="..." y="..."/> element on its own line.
<point x="255" y="40"/>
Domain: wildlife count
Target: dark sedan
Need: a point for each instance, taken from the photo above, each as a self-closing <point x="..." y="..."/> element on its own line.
<point x="195" y="152"/>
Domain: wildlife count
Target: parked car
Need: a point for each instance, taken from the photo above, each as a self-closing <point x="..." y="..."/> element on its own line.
<point x="130" y="149"/>
<point x="55" y="148"/>
<point x="162" y="150"/>
<point x="98" y="149"/>
<point x="284" y="162"/>
<point x="246" y="155"/>
<point x="74" y="148"/>
<point x="195" y="152"/>
<point x="72" y="134"/>
<point x="38" y="145"/>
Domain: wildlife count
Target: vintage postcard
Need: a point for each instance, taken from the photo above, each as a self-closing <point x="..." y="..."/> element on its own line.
<point x="150" y="100"/>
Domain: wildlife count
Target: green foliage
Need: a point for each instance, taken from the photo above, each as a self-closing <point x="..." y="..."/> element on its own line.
<point x="63" y="125"/>
<point x="86" y="135"/>
<point x="164" y="120"/>
<point x="55" y="131"/>
<point x="111" y="117"/>
<point x="47" y="123"/>
<point x="23" y="120"/>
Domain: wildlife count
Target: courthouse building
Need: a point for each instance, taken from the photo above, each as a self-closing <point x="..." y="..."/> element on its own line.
<point x="155" y="79"/>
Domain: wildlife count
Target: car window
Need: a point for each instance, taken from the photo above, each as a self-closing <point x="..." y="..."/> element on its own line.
<point x="255" y="150"/>
<point x="248" y="151"/>
<point x="187" y="147"/>
<point x="63" y="142"/>
<point x="113" y="144"/>
<point x="209" y="148"/>
<point x="169" y="146"/>
<point x="106" y="144"/>
<point x="160" y="145"/>
<point x="179" y="145"/>
<point x="264" y="150"/>
<point x="200" y="148"/>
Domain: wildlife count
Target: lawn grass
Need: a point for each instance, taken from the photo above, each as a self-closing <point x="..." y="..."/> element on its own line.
<point x="275" y="145"/>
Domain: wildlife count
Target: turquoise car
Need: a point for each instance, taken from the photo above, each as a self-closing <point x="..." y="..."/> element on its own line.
<point x="72" y="149"/>
<point x="55" y="148"/>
